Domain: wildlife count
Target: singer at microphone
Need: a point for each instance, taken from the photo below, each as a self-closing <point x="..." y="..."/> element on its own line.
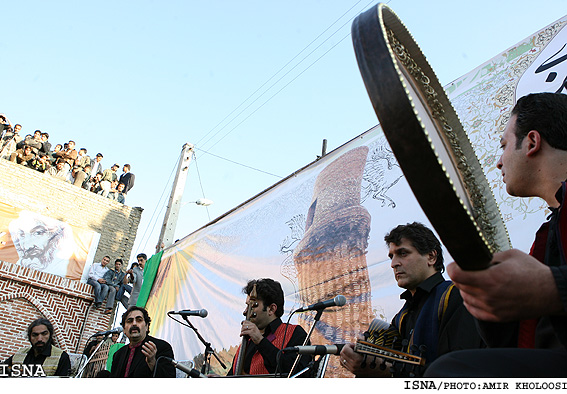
<point x="266" y="333"/>
<point x="139" y="358"/>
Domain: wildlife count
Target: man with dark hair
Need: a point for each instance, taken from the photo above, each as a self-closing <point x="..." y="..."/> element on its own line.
<point x="136" y="277"/>
<point x="82" y="158"/>
<point x="45" y="144"/>
<point x="39" y="163"/>
<point x="69" y="155"/>
<point x="127" y="178"/>
<point x="520" y="300"/>
<point x="96" y="165"/>
<point x="108" y="177"/>
<point x="23" y="156"/>
<point x="10" y="140"/>
<point x="266" y="332"/>
<point x="433" y="314"/>
<point x="144" y="356"/>
<point x="53" y="361"/>
<point x="97" y="281"/>
<point x="115" y="280"/>
<point x="58" y="170"/>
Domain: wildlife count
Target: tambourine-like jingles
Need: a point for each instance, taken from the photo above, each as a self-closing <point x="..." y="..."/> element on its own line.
<point x="428" y="140"/>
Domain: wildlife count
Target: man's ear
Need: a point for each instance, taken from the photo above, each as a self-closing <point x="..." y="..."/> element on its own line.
<point x="432" y="258"/>
<point x="533" y="140"/>
<point x="273" y="308"/>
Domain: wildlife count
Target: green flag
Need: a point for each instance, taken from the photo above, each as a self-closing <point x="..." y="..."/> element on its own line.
<point x="150" y="271"/>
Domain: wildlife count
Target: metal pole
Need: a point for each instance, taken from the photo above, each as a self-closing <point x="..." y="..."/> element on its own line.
<point x="172" y="212"/>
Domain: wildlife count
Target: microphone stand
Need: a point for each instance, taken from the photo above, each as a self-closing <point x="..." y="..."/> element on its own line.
<point x="78" y="375"/>
<point x="208" y="350"/>
<point x="317" y="318"/>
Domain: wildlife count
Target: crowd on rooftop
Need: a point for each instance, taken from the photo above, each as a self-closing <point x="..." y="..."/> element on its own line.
<point x="64" y="161"/>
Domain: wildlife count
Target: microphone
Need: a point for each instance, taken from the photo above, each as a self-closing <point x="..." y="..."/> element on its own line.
<point x="339" y="300"/>
<point x="189" y="312"/>
<point x="318" y="349"/>
<point x="116" y="330"/>
<point x="191" y="372"/>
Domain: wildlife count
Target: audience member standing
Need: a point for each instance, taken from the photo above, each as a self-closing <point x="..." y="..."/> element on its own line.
<point x="46" y="145"/>
<point x="108" y="176"/>
<point x="127" y="178"/>
<point x="96" y="165"/>
<point x="9" y="141"/>
<point x="136" y="277"/>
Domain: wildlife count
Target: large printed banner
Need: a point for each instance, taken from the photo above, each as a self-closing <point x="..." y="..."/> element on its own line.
<point x="45" y="244"/>
<point x="320" y="231"/>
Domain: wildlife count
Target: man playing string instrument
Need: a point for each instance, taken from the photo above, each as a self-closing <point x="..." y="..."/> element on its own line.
<point x="266" y="333"/>
<point x="433" y="314"/>
<point x="520" y="300"/>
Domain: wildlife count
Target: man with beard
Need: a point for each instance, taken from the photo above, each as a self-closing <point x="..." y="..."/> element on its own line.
<point x="266" y="334"/>
<point x="139" y="359"/>
<point x="45" y="357"/>
<point x="43" y="243"/>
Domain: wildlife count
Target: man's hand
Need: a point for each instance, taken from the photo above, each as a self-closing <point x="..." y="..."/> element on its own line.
<point x="515" y="286"/>
<point x="352" y="361"/>
<point x="102" y="281"/>
<point x="149" y="349"/>
<point x="250" y="329"/>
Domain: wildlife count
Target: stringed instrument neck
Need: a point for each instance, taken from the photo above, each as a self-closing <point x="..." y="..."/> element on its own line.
<point x="251" y="304"/>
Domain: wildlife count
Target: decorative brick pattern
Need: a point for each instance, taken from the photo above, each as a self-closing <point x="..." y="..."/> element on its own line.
<point x="26" y="294"/>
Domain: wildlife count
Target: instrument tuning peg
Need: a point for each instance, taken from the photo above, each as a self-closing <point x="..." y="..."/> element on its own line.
<point x="363" y="363"/>
<point x="373" y="363"/>
<point x="395" y="343"/>
<point x="422" y="350"/>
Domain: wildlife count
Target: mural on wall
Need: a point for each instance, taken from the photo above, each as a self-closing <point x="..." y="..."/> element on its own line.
<point x="45" y="244"/>
<point x="320" y="232"/>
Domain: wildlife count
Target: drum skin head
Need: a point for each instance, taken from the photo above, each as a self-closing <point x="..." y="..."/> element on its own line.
<point x="428" y="140"/>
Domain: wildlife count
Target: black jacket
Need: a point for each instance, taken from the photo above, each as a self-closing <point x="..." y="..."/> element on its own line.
<point x="139" y="367"/>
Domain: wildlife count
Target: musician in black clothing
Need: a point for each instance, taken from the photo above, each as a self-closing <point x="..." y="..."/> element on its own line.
<point x="144" y="356"/>
<point x="266" y="332"/>
<point x="433" y="314"/>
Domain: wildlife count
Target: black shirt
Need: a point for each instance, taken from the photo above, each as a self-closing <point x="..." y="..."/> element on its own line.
<point x="415" y="302"/>
<point x="457" y="327"/>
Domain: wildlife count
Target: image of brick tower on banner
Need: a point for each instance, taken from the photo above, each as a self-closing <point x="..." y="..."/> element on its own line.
<point x="331" y="257"/>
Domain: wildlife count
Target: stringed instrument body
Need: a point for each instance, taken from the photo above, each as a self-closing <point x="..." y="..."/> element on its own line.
<point x="252" y="303"/>
<point x="385" y="343"/>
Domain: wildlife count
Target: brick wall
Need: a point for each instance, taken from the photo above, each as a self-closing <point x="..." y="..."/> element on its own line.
<point x="26" y="294"/>
<point x="31" y="190"/>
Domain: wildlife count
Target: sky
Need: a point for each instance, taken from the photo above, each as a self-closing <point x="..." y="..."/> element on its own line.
<point x="256" y="86"/>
